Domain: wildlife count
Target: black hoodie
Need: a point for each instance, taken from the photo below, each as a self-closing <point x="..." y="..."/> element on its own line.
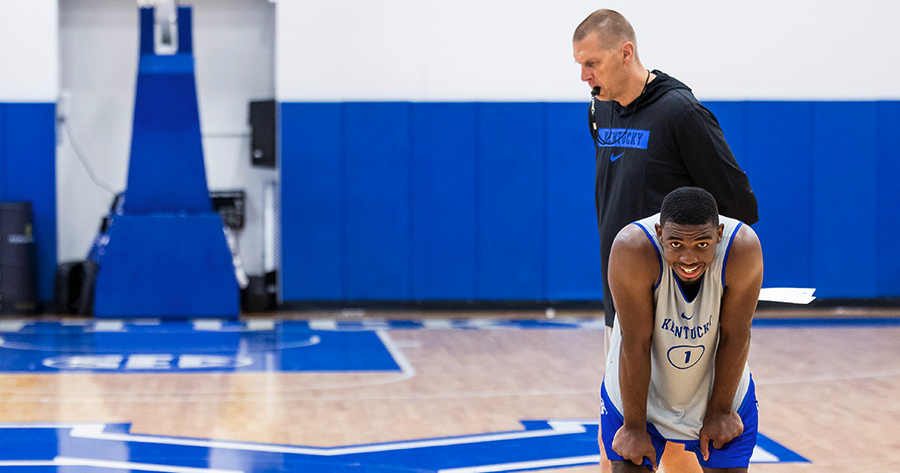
<point x="663" y="140"/>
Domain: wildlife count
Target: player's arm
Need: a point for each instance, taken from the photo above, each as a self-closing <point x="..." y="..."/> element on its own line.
<point x="634" y="268"/>
<point x="743" y="278"/>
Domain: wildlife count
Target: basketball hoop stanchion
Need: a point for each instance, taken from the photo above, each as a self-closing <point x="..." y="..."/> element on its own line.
<point x="165" y="253"/>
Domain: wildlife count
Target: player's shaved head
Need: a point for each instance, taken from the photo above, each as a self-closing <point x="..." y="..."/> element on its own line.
<point x="611" y="28"/>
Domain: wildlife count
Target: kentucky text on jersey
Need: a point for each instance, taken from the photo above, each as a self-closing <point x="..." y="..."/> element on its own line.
<point x="687" y="333"/>
<point x="624" y="138"/>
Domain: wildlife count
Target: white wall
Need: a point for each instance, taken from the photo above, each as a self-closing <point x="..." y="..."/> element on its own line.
<point x="472" y="50"/>
<point x="29" y="52"/>
<point x="234" y="63"/>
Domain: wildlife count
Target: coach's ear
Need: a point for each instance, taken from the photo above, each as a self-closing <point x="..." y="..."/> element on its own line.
<point x="627" y="52"/>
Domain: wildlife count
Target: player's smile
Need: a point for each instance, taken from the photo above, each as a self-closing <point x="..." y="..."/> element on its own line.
<point x="689" y="272"/>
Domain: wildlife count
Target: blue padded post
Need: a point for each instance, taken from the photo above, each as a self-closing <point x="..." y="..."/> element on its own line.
<point x="167" y="266"/>
<point x="165" y="253"/>
<point x="166" y="170"/>
<point x="185" y="43"/>
<point x="146" y="38"/>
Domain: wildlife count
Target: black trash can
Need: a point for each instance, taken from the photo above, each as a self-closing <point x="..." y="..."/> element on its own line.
<point x="18" y="292"/>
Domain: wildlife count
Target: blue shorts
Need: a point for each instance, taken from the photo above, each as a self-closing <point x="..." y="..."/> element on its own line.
<point x="734" y="454"/>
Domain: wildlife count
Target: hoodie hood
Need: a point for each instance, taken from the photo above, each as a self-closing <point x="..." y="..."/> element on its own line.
<point x="661" y="85"/>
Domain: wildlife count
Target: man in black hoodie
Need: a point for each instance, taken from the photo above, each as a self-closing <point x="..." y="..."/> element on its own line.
<point x="651" y="136"/>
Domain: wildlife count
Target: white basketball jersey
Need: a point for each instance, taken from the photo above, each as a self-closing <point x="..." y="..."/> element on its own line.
<point x="683" y="352"/>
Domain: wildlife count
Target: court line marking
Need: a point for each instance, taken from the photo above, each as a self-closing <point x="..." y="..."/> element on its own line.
<point x="530" y="465"/>
<point x="312" y="340"/>
<point x="405" y="366"/>
<point x="132" y="466"/>
<point x="97" y="432"/>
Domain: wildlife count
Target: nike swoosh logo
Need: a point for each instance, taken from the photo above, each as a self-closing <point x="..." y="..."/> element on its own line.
<point x="685" y="317"/>
<point x="616" y="156"/>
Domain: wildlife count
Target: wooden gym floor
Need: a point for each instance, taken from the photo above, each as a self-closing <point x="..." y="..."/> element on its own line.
<point x="460" y="385"/>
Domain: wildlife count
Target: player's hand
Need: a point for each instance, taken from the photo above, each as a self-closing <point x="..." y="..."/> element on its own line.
<point x="634" y="445"/>
<point x="719" y="429"/>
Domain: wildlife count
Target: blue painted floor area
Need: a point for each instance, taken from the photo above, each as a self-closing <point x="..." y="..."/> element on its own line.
<point x="111" y="447"/>
<point x="188" y="347"/>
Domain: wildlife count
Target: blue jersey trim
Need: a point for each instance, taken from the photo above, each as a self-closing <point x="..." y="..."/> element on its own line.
<point x="658" y="254"/>
<point x="727" y="251"/>
<point x="678" y="282"/>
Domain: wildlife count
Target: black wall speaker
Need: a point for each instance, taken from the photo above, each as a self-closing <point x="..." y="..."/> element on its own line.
<point x="262" y="133"/>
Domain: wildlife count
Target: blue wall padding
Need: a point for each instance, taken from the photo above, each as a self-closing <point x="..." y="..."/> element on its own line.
<point x="443" y="195"/>
<point x="171" y="266"/>
<point x="573" y="257"/>
<point x="315" y="198"/>
<point x="773" y="143"/>
<point x="28" y="173"/>
<point x="888" y="200"/>
<point x="844" y="187"/>
<point x="494" y="201"/>
<point x="509" y="171"/>
<point x="376" y="167"/>
<point x="779" y="161"/>
<point x="403" y="201"/>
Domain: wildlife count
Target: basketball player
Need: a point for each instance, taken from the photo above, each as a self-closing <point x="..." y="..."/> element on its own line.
<point x="685" y="283"/>
<point x="651" y="136"/>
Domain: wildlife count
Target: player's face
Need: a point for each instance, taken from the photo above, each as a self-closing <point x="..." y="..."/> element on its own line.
<point x="600" y="67"/>
<point x="689" y="249"/>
